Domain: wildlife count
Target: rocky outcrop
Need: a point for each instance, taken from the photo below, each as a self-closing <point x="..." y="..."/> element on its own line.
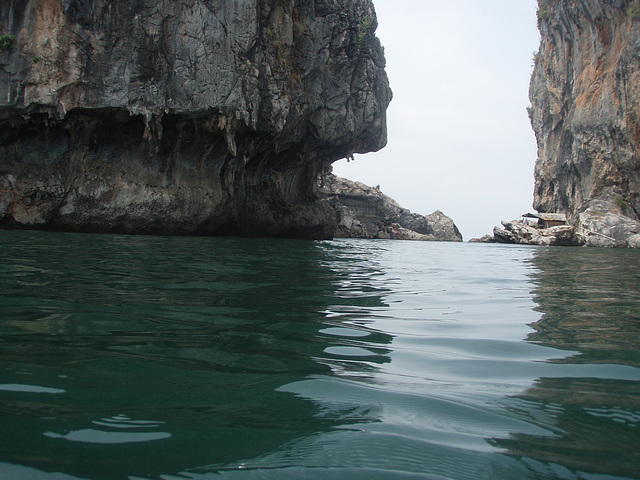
<point x="619" y="231"/>
<point x="585" y="97"/>
<point x="198" y="116"/>
<point x="522" y="233"/>
<point x="601" y="225"/>
<point x="366" y="212"/>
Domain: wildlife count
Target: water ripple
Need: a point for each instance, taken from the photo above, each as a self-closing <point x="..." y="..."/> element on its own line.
<point x="292" y="359"/>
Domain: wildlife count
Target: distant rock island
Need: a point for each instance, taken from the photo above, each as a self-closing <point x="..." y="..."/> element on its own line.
<point x="207" y="117"/>
<point x="366" y="212"/>
<point x="585" y="111"/>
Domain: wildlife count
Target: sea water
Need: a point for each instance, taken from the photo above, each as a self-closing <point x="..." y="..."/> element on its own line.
<point x="133" y="357"/>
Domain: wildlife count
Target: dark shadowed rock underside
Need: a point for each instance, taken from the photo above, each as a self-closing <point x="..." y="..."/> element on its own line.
<point x="198" y="116"/>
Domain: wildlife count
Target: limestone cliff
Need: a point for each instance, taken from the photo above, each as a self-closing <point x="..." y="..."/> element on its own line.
<point x="585" y="97"/>
<point x="366" y="212"/>
<point x="198" y="116"/>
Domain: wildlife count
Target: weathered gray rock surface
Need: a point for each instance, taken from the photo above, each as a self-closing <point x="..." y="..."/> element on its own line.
<point x="366" y="212"/>
<point x="601" y="225"/>
<point x="585" y="97"/>
<point x="519" y="232"/>
<point x="598" y="226"/>
<point x="198" y="116"/>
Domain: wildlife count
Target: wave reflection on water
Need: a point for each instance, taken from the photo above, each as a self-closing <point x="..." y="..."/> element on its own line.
<point x="193" y="358"/>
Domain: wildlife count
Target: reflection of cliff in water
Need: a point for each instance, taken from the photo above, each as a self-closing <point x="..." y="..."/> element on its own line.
<point x="590" y="304"/>
<point x="590" y="301"/>
<point x="593" y="427"/>
<point x="198" y="335"/>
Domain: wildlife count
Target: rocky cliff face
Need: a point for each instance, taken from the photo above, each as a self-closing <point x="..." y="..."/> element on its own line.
<point x="366" y="212"/>
<point x="198" y="116"/>
<point x="585" y="96"/>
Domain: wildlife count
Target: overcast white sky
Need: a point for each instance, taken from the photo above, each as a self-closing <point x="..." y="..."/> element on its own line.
<point x="460" y="140"/>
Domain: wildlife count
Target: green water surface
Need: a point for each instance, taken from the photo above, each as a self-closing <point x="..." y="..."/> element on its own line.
<point x="132" y="357"/>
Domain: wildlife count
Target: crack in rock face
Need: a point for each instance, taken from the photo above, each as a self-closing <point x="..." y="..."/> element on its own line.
<point x="193" y="117"/>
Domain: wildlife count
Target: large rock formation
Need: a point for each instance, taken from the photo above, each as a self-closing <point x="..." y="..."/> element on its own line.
<point x="366" y="212"/>
<point x="585" y="96"/>
<point x="198" y="116"/>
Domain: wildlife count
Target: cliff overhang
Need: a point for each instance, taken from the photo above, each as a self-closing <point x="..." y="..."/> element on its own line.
<point x="195" y="117"/>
